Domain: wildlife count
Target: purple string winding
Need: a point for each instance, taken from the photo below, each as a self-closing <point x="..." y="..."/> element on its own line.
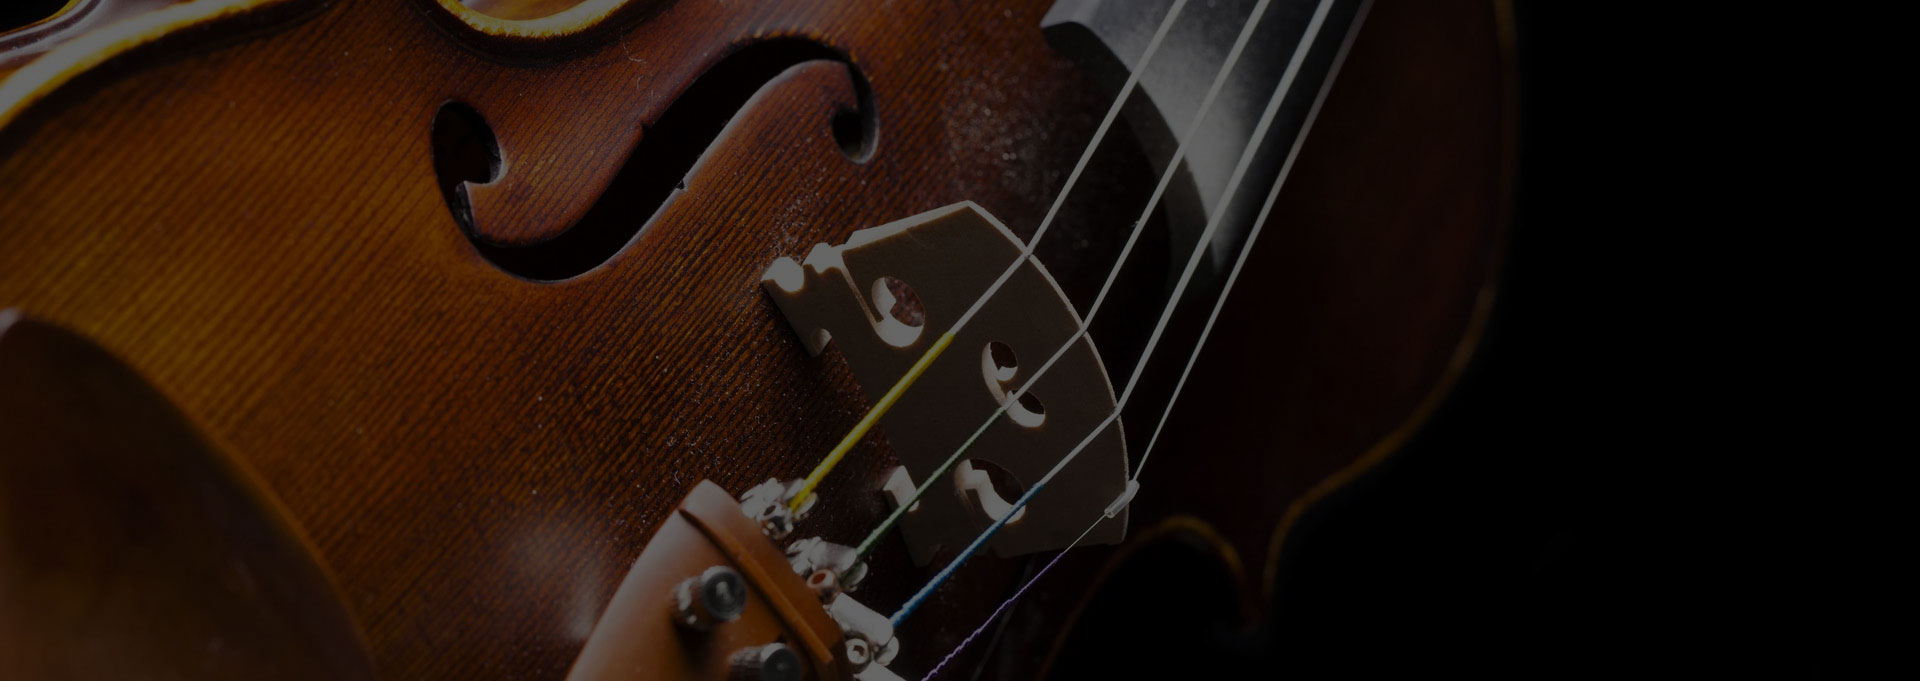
<point x="996" y="613"/>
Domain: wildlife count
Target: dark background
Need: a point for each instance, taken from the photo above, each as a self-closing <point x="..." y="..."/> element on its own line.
<point x="1570" y="509"/>
<point x="1627" y="480"/>
<point x="1597" y="496"/>
<point x="22" y="12"/>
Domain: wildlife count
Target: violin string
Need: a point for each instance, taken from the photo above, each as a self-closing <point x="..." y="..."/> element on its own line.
<point x="1008" y="603"/>
<point x="1186" y="276"/>
<point x="1113" y="275"/>
<point x="1240" y="262"/>
<point x="1259" y="223"/>
<point x="899" y="387"/>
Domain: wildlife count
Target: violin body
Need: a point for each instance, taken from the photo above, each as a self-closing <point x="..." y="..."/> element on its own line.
<point x="477" y="300"/>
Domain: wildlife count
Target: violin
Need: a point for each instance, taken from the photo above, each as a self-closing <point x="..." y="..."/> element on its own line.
<point x="644" y="339"/>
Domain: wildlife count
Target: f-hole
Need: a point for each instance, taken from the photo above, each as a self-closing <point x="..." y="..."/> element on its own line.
<point x="656" y="169"/>
<point x="464" y="151"/>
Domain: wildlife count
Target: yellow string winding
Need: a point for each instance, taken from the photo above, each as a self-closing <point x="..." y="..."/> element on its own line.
<point x="866" y="422"/>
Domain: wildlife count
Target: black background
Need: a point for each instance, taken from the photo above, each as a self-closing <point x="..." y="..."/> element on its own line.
<point x="1626" y="480"/>
<point x="1570" y="509"/>
<point x="1598" y="495"/>
<point x="21" y="12"/>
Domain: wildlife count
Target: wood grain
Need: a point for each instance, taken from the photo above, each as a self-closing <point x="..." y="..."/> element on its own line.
<point x="252" y="219"/>
<point x="132" y="547"/>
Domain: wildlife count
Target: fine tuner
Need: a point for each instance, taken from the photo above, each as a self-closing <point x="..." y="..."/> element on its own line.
<point x="747" y="607"/>
<point x="664" y="339"/>
<point x="737" y="606"/>
<point x="713" y="596"/>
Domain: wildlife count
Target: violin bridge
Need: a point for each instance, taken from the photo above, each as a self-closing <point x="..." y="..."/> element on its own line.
<point x="860" y="297"/>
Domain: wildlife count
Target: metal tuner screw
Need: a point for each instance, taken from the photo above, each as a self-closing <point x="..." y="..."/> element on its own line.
<point x="715" y="597"/>
<point x="859" y="653"/>
<point x="771" y="662"/>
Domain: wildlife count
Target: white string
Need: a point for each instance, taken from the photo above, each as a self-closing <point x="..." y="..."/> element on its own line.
<point x="1113" y="275"/>
<point x="1026" y="253"/>
<point x="1159" y="190"/>
<point x="1259" y="223"/>
<point x="1186" y="276"/>
<point x="1286" y="168"/>
<point x="1099" y="134"/>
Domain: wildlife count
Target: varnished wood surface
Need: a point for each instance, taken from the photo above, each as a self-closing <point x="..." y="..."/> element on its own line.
<point x="1371" y="288"/>
<point x="1374" y="280"/>
<point x="254" y="221"/>
<point x="131" y="547"/>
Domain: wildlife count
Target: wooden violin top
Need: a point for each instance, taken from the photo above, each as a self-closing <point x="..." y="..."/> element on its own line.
<point x="479" y="400"/>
